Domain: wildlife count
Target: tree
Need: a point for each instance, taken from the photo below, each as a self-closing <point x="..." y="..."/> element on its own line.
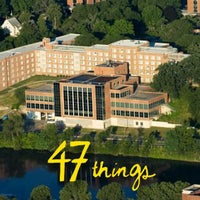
<point x="7" y="43"/>
<point x="28" y="34"/>
<point x="171" y="13"/>
<point x="123" y="27"/>
<point x="20" y="5"/>
<point x="111" y="191"/>
<point x="153" y="18"/>
<point x="101" y="137"/>
<point x="40" y="7"/>
<point x="86" y="39"/>
<point x="194" y="106"/>
<point x="20" y="95"/>
<point x="190" y="66"/>
<point x="176" y="29"/>
<point x="54" y="15"/>
<point x="180" y="141"/>
<point x="50" y="135"/>
<point x="75" y="191"/>
<point x="43" y="27"/>
<point x="68" y="134"/>
<point x="119" y="30"/>
<point x="13" y="127"/>
<point x="4" y="8"/>
<point x="25" y="16"/>
<point x="148" y="144"/>
<point x="162" y="191"/>
<point x="41" y="192"/>
<point x="170" y="78"/>
<point x="3" y="198"/>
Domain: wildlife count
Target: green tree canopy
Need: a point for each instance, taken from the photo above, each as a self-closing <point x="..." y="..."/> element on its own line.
<point x="111" y="191"/>
<point x="176" y="29"/>
<point x="194" y="105"/>
<point x="40" y="192"/>
<point x="4" y="8"/>
<point x="54" y="15"/>
<point x="153" y="18"/>
<point x="162" y="191"/>
<point x="75" y="191"/>
<point x="14" y="126"/>
<point x="180" y="140"/>
<point x="170" y="78"/>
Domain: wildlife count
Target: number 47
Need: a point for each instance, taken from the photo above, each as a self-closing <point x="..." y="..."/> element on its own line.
<point x="63" y="159"/>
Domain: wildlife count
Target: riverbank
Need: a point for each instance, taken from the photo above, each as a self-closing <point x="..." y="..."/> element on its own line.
<point x="180" y="143"/>
<point x="111" y="149"/>
<point x="19" y="166"/>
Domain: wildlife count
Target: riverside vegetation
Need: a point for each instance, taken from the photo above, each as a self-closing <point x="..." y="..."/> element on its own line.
<point x="181" y="143"/>
<point x="79" y="190"/>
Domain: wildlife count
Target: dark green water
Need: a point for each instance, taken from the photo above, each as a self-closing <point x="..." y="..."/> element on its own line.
<point x="20" y="171"/>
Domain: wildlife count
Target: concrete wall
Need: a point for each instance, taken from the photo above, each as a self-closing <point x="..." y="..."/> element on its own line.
<point x="130" y="123"/>
<point x="85" y="123"/>
<point x="163" y="124"/>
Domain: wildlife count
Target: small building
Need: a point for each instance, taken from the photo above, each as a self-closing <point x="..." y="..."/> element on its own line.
<point x="40" y="103"/>
<point x="191" y="193"/>
<point x="12" y="26"/>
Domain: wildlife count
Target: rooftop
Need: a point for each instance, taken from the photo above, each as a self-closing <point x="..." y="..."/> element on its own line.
<point x="192" y="190"/>
<point x="90" y="79"/>
<point x="34" y="46"/>
<point x="131" y="43"/>
<point x="100" y="47"/>
<point x="44" y="88"/>
<point x="139" y="95"/>
<point x="69" y="48"/>
<point x="159" y="49"/>
<point x="143" y="92"/>
<point x="14" y="22"/>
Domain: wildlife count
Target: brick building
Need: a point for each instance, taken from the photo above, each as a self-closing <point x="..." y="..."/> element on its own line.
<point x="72" y="3"/>
<point x="60" y="57"/>
<point x="191" y="193"/>
<point x="193" y="6"/>
<point x="97" y="100"/>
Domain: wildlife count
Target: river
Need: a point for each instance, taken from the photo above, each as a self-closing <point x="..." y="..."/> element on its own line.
<point x="21" y="171"/>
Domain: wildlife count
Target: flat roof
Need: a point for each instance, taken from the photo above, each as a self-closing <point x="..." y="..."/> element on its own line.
<point x="192" y="190"/>
<point x="44" y="88"/>
<point x="34" y="46"/>
<point x="120" y="87"/>
<point x="144" y="95"/>
<point x="69" y="48"/>
<point x="100" y="47"/>
<point x="130" y="43"/>
<point x="155" y="49"/>
<point x="90" y="79"/>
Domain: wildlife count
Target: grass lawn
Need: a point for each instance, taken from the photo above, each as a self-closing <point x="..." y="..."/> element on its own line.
<point x="7" y="97"/>
<point x="180" y="113"/>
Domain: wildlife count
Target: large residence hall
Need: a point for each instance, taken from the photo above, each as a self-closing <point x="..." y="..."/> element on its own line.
<point x="61" y="57"/>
